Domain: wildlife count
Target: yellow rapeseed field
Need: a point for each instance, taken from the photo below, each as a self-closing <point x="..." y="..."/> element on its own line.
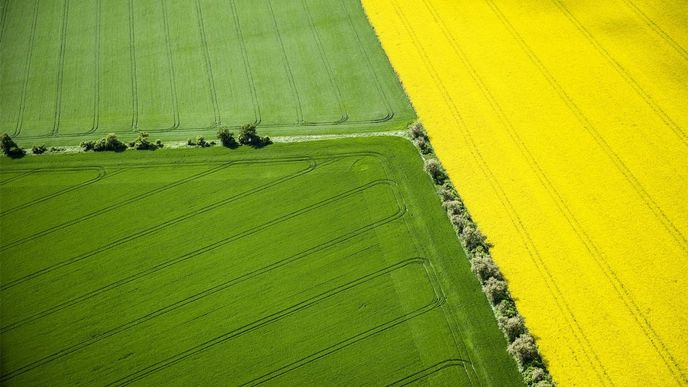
<point x="564" y="125"/>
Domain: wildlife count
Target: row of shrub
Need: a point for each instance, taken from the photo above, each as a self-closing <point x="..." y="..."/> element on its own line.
<point x="521" y="344"/>
<point x="248" y="135"/>
<point x="10" y="148"/>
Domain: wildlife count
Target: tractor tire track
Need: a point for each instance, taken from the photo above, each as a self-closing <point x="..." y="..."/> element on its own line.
<point x="101" y="174"/>
<point x="420" y="375"/>
<point x="601" y="261"/>
<point x="378" y="84"/>
<point x="247" y="63"/>
<point x="326" y="63"/>
<point x="27" y="66"/>
<point x="562" y="305"/>
<point x="208" y="64"/>
<point x="134" y="81"/>
<point x="170" y="61"/>
<point x="185" y="257"/>
<point x="112" y="207"/>
<point x="154" y="229"/>
<point x="60" y="69"/>
<point x="287" y="67"/>
<point x="138" y="375"/>
<point x="621" y="70"/>
<point x="205" y="293"/>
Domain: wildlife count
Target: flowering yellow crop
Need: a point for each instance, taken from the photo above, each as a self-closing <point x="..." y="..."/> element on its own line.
<point x="564" y="125"/>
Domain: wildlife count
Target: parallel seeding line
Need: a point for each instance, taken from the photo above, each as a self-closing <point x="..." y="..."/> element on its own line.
<point x="134" y="82"/>
<point x="287" y="67"/>
<point x="192" y="254"/>
<point x="101" y="174"/>
<point x="27" y="66"/>
<point x="420" y="375"/>
<point x="96" y="83"/>
<point x="17" y="176"/>
<point x="272" y="318"/>
<point x="60" y="69"/>
<point x="247" y="64"/>
<point x="197" y="297"/>
<point x="564" y="309"/>
<point x="668" y="121"/>
<point x="657" y="29"/>
<point x="208" y="64"/>
<point x="376" y="79"/>
<point x="170" y="60"/>
<point x="112" y="207"/>
<point x="326" y="63"/>
<point x="3" y="20"/>
<point x="153" y="229"/>
<point x="585" y="238"/>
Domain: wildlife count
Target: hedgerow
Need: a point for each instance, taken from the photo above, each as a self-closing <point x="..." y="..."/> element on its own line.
<point x="521" y="344"/>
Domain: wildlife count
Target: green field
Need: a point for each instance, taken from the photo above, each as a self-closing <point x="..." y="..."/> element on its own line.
<point x="299" y="264"/>
<point x="75" y="69"/>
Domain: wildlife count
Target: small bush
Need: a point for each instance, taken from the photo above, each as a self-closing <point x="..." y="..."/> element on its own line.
<point x="460" y="221"/>
<point x="506" y="309"/>
<point x="10" y="148"/>
<point x="143" y="142"/>
<point x="159" y="143"/>
<point x="485" y="268"/>
<point x="436" y="171"/>
<point x="54" y="149"/>
<point x="448" y="193"/>
<point x="38" y="150"/>
<point x="495" y="290"/>
<point x="453" y="207"/>
<point x="474" y="240"/>
<point x="417" y="131"/>
<point x="87" y="145"/>
<point x="513" y="327"/>
<point x="227" y="138"/>
<point x="523" y="349"/>
<point x="536" y="376"/>
<point x="248" y="135"/>
<point x="199" y="142"/>
<point x="423" y="145"/>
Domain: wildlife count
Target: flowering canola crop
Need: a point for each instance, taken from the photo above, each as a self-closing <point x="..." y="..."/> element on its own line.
<point x="564" y="125"/>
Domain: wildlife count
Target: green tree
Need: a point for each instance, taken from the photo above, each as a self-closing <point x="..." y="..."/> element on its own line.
<point x="10" y="148"/>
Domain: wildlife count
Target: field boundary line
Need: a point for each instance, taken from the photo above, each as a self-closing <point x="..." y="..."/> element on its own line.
<point x="60" y="71"/>
<point x="134" y="81"/>
<point x="378" y="84"/>
<point x="155" y="228"/>
<point x="267" y="320"/>
<point x="192" y="254"/>
<point x="328" y="68"/>
<point x="564" y="309"/>
<point x="422" y="374"/>
<point x="657" y="29"/>
<point x="208" y="292"/>
<point x="170" y="60"/>
<point x="101" y="173"/>
<point x="573" y="222"/>
<point x="621" y="70"/>
<point x="247" y="64"/>
<point x="287" y="67"/>
<point x="27" y="65"/>
<point x="208" y="64"/>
